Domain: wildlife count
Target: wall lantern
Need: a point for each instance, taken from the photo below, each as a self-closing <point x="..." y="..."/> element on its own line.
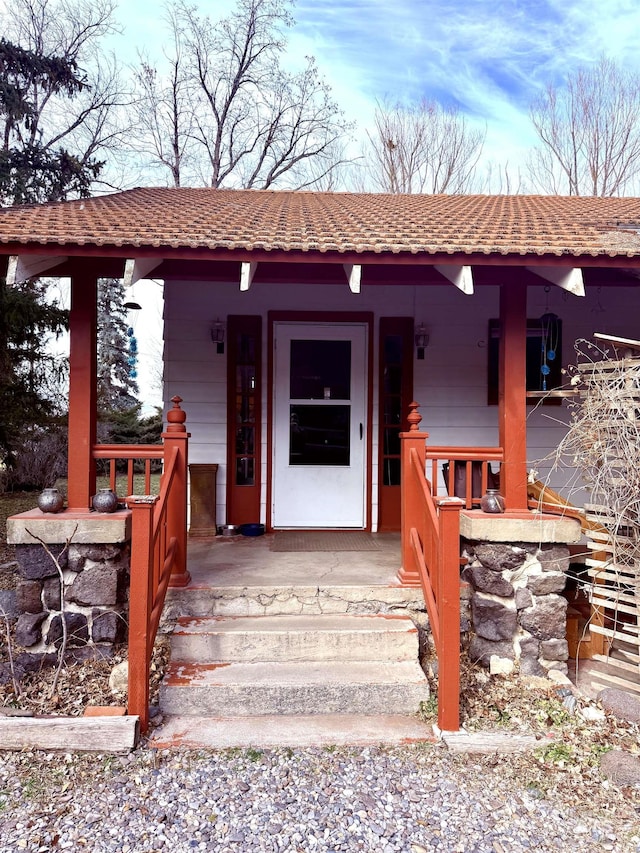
<point x="218" y="329"/>
<point x="421" y="338"/>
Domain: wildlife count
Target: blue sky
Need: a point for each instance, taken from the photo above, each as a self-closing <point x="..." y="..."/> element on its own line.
<point x="489" y="57"/>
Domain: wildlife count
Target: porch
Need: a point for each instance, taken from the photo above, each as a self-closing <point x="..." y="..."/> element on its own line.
<point x="347" y="281"/>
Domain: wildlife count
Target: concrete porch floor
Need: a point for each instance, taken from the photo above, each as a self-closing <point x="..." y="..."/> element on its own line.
<point x="242" y="576"/>
<point x="235" y="561"/>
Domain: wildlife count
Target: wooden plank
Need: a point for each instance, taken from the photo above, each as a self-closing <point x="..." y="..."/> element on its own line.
<point x="613" y="598"/>
<point x="82" y="734"/>
<point x="607" y="679"/>
<point x="617" y="635"/>
<point x="617" y="606"/>
<point x="612" y="571"/>
<point x="621" y="664"/>
<point x="490" y="742"/>
<point x="627" y="342"/>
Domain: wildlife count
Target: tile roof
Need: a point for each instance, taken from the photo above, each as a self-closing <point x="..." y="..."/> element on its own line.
<point x="312" y="222"/>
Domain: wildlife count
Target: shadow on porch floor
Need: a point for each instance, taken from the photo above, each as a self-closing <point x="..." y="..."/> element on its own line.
<point x="249" y="561"/>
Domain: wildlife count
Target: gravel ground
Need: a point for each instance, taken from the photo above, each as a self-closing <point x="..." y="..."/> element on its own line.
<point x="411" y="799"/>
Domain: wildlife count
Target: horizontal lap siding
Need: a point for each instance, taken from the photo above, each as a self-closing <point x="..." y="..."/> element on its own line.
<point x="450" y="383"/>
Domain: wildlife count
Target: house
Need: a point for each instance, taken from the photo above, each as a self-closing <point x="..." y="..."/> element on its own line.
<point x="300" y="326"/>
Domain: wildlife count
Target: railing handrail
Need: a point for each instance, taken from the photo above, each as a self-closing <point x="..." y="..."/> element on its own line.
<point x="158" y="551"/>
<point x="463" y="454"/>
<point x="423" y="485"/>
<point x="166" y="481"/>
<point x="127" y="451"/>
<point x="472" y="463"/>
<point x="431" y="556"/>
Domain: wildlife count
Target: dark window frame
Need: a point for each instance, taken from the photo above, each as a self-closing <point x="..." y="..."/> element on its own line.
<point x="534" y="376"/>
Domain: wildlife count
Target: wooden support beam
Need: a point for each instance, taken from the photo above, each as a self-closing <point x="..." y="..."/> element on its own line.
<point x="568" y="278"/>
<point x="354" y="276"/>
<point x="512" y="399"/>
<point x="137" y="268"/>
<point x="247" y="272"/>
<point x="23" y="267"/>
<point x="461" y="276"/>
<point x="82" y="392"/>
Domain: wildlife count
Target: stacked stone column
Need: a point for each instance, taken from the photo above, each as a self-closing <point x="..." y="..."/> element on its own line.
<point x="95" y="579"/>
<point x="517" y="569"/>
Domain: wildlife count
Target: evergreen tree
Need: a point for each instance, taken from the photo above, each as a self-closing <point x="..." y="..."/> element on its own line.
<point x="117" y="350"/>
<point x="31" y="376"/>
<point x="31" y="170"/>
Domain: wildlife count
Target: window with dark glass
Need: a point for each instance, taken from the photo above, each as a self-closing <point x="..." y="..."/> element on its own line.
<point x="319" y="433"/>
<point x="393" y="356"/>
<point x="245" y="409"/>
<point x="544" y="358"/>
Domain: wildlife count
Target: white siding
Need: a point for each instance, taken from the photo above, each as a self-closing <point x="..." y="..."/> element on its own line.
<point x="450" y="384"/>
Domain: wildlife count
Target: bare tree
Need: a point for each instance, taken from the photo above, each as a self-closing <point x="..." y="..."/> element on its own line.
<point x="250" y="123"/>
<point x="589" y="133"/>
<point x="89" y="125"/>
<point x="422" y="148"/>
<point x="164" y="108"/>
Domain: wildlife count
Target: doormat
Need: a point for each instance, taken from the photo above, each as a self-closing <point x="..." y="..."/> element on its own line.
<point x="324" y="540"/>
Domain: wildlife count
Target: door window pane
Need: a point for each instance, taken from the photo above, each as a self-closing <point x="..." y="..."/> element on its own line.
<point x="320" y="370"/>
<point x="391" y="472"/>
<point x="319" y="435"/>
<point x="244" y="471"/>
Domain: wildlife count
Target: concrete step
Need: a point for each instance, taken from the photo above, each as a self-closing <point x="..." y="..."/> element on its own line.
<point x="311" y="687"/>
<point x="295" y="638"/>
<point x="292" y="599"/>
<point x="289" y="731"/>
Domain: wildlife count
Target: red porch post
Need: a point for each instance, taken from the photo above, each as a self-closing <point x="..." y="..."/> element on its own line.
<point x="449" y="613"/>
<point x="176" y="436"/>
<point x="512" y="408"/>
<point x="141" y="602"/>
<point x="81" y="470"/>
<point x="409" y="507"/>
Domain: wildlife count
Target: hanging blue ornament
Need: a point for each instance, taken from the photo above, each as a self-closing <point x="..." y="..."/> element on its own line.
<point x="545" y="370"/>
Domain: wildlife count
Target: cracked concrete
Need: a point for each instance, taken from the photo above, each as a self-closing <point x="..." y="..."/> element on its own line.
<point x="241" y="576"/>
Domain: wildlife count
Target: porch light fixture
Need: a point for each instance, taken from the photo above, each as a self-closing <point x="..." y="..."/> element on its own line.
<point x="217" y="335"/>
<point x="130" y="304"/>
<point x="421" y="338"/>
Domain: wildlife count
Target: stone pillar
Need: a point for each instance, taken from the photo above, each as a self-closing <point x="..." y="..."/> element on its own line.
<point x="95" y="570"/>
<point x="517" y="564"/>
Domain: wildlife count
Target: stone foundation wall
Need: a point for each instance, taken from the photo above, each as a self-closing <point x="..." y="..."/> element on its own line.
<point x="96" y="583"/>
<point x="95" y="570"/>
<point x="518" y="612"/>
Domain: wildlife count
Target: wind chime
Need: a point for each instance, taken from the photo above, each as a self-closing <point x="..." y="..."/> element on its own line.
<point x="549" y="335"/>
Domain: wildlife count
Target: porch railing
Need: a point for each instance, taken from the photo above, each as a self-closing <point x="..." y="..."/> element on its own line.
<point x="467" y="472"/>
<point x="431" y="558"/>
<point x="129" y="453"/>
<point x="158" y="548"/>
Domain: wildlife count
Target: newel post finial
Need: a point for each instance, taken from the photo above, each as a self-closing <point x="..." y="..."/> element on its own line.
<point x="176" y="416"/>
<point x="414" y="417"/>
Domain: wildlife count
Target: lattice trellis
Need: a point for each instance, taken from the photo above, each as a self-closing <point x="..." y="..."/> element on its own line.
<point x="603" y="444"/>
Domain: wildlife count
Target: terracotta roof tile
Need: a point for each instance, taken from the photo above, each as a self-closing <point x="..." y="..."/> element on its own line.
<point x="333" y="222"/>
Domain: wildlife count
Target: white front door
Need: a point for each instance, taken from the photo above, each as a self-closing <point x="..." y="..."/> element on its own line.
<point x="319" y="425"/>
